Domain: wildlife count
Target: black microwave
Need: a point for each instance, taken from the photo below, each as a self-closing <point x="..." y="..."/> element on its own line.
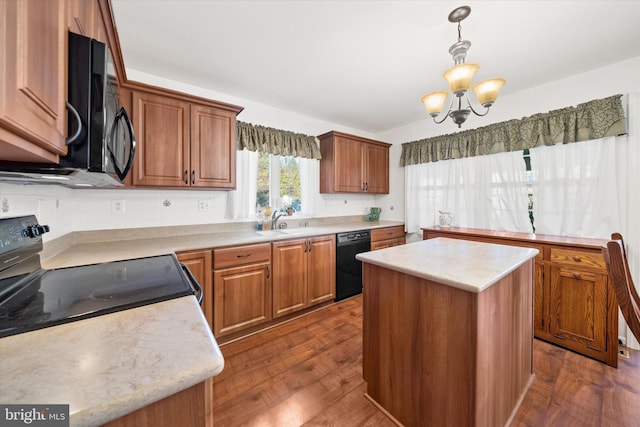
<point x="101" y="135"/>
<point x="101" y="144"/>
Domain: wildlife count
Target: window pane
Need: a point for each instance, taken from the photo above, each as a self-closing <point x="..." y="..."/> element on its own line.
<point x="290" y="196"/>
<point x="262" y="196"/>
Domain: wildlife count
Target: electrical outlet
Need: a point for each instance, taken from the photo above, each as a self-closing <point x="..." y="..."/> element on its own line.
<point x="117" y="206"/>
<point x="204" y="205"/>
<point x="622" y="341"/>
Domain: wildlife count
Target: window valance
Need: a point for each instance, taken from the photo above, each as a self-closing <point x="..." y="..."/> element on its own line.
<point x="591" y="120"/>
<point x="276" y="141"/>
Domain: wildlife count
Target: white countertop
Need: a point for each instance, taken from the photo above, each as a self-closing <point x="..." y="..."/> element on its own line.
<point x="467" y="265"/>
<point x="107" y="366"/>
<point x="141" y="243"/>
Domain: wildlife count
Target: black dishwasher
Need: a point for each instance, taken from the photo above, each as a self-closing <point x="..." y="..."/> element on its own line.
<point x="348" y="268"/>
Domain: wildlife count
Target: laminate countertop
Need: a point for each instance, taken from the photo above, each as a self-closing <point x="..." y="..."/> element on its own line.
<point x="467" y="265"/>
<point x="140" y="243"/>
<point x="108" y="366"/>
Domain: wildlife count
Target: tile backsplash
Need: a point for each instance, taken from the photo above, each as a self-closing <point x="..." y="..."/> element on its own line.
<point x="66" y="210"/>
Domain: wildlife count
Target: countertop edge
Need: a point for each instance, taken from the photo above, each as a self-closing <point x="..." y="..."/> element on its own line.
<point x="98" y="404"/>
<point x="375" y="258"/>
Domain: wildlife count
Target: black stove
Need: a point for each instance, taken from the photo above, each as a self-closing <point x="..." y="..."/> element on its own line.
<point x="33" y="298"/>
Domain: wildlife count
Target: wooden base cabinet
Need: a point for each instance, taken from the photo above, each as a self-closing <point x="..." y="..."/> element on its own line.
<point x="387" y="237"/>
<point x="304" y="273"/>
<point x="185" y="408"/>
<point x="574" y="305"/>
<point x="199" y="264"/>
<point x="242" y="288"/>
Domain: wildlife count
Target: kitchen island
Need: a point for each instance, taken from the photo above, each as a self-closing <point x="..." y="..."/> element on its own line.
<point x="448" y="331"/>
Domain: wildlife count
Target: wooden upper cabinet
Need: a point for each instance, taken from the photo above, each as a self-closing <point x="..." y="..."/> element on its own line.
<point x="33" y="86"/>
<point x="352" y="164"/>
<point x="376" y="169"/>
<point x="182" y="143"/>
<point x="82" y="17"/>
<point x="161" y="127"/>
<point x="213" y="155"/>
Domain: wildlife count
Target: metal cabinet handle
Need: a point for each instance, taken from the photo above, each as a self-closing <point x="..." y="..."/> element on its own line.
<point x="186" y="177"/>
<point x="310" y="245"/>
<point x="268" y="272"/>
<point x="193" y="176"/>
<point x="366" y="184"/>
<point x="244" y="256"/>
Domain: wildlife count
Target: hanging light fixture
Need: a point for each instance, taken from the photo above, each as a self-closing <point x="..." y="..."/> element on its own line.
<point x="459" y="78"/>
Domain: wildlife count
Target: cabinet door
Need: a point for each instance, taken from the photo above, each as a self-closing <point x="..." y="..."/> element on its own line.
<point x="289" y="276"/>
<point x="348" y="165"/>
<point x="199" y="263"/>
<point x="321" y="266"/>
<point x="213" y="148"/>
<point x="578" y="308"/>
<point x="33" y="90"/>
<point x="82" y="17"/>
<point x="161" y="126"/>
<point x="376" y="168"/>
<point x="242" y="298"/>
<point x="540" y="303"/>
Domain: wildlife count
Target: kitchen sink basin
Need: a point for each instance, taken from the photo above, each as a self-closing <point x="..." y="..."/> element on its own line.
<point x="282" y="232"/>
<point x="271" y="233"/>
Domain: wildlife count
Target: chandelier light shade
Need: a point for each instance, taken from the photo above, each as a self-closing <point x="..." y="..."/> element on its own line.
<point x="459" y="77"/>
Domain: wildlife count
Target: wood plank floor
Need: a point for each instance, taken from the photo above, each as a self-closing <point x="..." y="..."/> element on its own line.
<point x="309" y="372"/>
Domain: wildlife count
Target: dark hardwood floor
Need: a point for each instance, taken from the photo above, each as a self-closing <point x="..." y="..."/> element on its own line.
<point x="309" y="372"/>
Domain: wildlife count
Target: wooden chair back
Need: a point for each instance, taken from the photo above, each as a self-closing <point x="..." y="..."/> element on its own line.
<point x="620" y="276"/>
<point x="634" y="292"/>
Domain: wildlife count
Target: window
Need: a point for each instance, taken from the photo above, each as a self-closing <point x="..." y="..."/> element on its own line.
<point x="529" y="175"/>
<point x="279" y="182"/>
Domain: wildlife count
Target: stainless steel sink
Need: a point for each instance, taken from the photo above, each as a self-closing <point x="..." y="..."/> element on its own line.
<point x="282" y="232"/>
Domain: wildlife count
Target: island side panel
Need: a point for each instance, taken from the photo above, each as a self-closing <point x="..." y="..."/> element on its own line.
<point x="505" y="346"/>
<point x="419" y="348"/>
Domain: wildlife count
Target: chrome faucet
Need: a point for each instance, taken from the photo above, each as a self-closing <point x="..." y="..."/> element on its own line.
<point x="274" y="219"/>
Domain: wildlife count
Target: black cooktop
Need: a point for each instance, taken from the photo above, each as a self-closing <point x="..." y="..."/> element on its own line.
<point x="44" y="298"/>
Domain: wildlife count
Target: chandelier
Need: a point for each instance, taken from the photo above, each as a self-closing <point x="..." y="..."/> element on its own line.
<point x="459" y="78"/>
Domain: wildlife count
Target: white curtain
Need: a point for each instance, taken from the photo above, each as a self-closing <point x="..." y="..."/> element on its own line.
<point x="482" y="192"/>
<point x="628" y="172"/>
<point x="241" y="203"/>
<point x="575" y="189"/>
<point x="309" y="186"/>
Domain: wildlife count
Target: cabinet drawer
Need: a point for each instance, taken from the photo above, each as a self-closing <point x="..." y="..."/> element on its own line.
<point x="578" y="258"/>
<point x="387" y="233"/>
<point x="241" y="255"/>
<point x="387" y="243"/>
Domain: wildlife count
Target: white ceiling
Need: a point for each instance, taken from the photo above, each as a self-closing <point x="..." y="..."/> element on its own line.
<point x="366" y="64"/>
